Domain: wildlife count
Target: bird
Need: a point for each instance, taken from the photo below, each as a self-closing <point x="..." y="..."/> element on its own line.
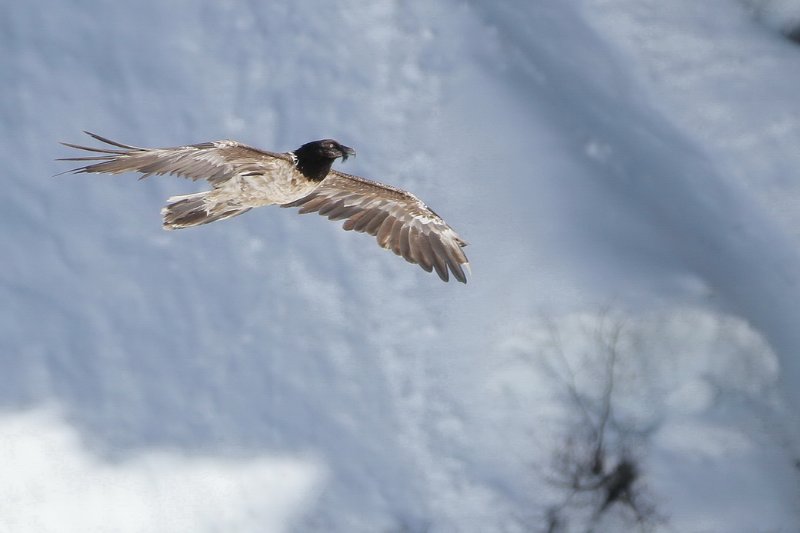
<point x="243" y="177"/>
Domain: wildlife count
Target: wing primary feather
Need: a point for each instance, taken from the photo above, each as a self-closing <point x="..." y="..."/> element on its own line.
<point x="385" y="231"/>
<point x="86" y="158"/>
<point x="457" y="255"/>
<point x="394" y="236"/>
<point x="112" y="143"/>
<point x="405" y="243"/>
<point x="311" y="205"/>
<point x="425" y="246"/>
<point x="441" y="267"/>
<point x="439" y="256"/>
<point x="372" y="225"/>
<point x="377" y="222"/>
<point x="458" y="272"/>
<point x="452" y="260"/>
<point x="366" y="220"/>
<point x="329" y="207"/>
<point x="418" y="249"/>
<point x="342" y="212"/>
<point x="92" y="149"/>
<point x="350" y="223"/>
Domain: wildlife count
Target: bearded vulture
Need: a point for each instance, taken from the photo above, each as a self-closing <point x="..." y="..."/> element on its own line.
<point x="243" y="177"/>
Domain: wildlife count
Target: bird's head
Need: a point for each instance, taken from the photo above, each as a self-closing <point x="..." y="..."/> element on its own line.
<point x="324" y="149"/>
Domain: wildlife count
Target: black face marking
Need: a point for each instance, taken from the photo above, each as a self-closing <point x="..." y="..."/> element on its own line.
<point x="314" y="159"/>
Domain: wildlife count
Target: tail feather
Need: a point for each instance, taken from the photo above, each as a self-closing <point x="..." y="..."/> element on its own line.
<point x="196" y="209"/>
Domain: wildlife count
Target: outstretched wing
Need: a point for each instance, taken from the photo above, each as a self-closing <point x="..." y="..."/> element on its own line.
<point x="215" y="161"/>
<point x="399" y="220"/>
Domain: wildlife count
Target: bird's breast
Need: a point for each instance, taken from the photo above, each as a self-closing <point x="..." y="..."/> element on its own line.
<point x="277" y="187"/>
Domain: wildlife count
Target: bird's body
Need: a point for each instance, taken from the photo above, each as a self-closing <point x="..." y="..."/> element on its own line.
<point x="275" y="181"/>
<point x="243" y="177"/>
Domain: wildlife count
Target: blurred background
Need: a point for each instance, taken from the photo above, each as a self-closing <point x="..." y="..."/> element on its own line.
<point x="626" y="356"/>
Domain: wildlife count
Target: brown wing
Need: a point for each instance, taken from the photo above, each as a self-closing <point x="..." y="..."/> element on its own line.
<point x="214" y="161"/>
<point x="399" y="220"/>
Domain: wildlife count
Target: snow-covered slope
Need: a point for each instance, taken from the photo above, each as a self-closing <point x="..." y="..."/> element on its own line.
<point x="604" y="158"/>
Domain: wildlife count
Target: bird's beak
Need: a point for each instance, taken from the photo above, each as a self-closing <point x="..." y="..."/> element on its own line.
<point x="347" y="152"/>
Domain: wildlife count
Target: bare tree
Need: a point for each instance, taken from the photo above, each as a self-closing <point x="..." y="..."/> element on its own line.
<point x="597" y="466"/>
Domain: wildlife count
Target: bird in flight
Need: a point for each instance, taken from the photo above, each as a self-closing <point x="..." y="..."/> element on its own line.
<point x="243" y="177"/>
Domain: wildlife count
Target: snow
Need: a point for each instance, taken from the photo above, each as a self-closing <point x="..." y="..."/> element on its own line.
<point x="611" y="162"/>
<point x="58" y="485"/>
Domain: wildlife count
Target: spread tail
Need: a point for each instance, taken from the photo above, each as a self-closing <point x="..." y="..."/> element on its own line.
<point x="196" y="209"/>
